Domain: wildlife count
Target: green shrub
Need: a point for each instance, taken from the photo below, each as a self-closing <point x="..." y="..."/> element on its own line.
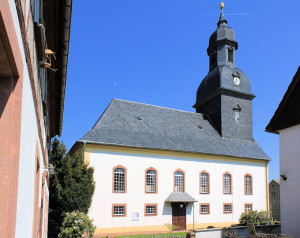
<point x="171" y="227"/>
<point x="255" y="217"/>
<point x="75" y="223"/>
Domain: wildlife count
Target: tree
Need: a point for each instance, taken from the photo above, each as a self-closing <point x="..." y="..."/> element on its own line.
<point x="71" y="187"/>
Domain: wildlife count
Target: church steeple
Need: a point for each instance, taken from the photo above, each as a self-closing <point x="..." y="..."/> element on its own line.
<point x="225" y="94"/>
<point x="222" y="44"/>
<point x="222" y="20"/>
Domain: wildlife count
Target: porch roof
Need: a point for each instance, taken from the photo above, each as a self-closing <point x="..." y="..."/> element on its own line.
<point x="180" y="197"/>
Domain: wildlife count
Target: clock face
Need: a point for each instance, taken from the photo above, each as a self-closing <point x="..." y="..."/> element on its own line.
<point x="236" y="81"/>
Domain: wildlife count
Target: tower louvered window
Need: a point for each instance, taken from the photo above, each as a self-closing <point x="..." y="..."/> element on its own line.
<point x="213" y="59"/>
<point x="230" y="55"/>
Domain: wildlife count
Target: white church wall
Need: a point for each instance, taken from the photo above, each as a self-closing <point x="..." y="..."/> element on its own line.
<point x="135" y="197"/>
<point x="289" y="151"/>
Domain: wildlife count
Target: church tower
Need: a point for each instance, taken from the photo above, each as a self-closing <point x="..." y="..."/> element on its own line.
<point x="224" y="95"/>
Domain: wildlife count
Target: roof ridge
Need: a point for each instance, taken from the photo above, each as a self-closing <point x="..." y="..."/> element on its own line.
<point x="115" y="99"/>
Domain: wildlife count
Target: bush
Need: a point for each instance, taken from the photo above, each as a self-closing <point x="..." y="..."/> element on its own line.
<point x="75" y="223"/>
<point x="255" y="217"/>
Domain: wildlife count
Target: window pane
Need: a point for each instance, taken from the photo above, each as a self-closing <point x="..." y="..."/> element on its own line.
<point x="227" y="183"/>
<point x="151" y="181"/>
<point x="204" y="183"/>
<point x="119" y="180"/>
<point x="178" y="182"/>
<point x="248" y="207"/>
<point x="248" y="184"/>
<point x="204" y="208"/>
<point x="119" y="210"/>
<point x="227" y="208"/>
<point x="150" y="210"/>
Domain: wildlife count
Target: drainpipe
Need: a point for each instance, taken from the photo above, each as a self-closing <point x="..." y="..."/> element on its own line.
<point x="193" y="217"/>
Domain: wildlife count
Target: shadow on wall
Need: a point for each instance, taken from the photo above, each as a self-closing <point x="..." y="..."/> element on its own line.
<point x="189" y="208"/>
<point x="167" y="209"/>
<point x="8" y="70"/>
<point x="7" y="86"/>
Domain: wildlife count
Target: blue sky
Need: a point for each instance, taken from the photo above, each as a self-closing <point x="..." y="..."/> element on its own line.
<point x="155" y="51"/>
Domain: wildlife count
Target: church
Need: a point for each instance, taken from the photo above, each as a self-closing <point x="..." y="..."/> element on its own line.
<point x="156" y="167"/>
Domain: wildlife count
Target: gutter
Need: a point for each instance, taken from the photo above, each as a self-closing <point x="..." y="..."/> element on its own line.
<point x="65" y="50"/>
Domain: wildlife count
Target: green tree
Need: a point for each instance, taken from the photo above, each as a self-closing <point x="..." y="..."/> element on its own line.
<point x="71" y="187"/>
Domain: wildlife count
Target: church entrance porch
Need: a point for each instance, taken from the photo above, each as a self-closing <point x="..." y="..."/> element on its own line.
<point x="178" y="215"/>
<point x="179" y="201"/>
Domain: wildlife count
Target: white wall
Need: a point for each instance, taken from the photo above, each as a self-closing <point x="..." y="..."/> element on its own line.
<point x="135" y="198"/>
<point x="29" y="137"/>
<point x="289" y="152"/>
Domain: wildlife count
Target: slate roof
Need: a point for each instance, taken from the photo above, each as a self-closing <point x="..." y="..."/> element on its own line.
<point x="180" y="197"/>
<point x="288" y="111"/>
<point x="165" y="129"/>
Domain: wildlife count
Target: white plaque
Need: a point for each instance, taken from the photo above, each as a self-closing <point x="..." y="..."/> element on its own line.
<point x="135" y="216"/>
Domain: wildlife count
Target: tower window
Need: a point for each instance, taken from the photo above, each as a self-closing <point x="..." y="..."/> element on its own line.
<point x="237" y="110"/>
<point x="213" y="58"/>
<point x="237" y="115"/>
<point x="230" y="55"/>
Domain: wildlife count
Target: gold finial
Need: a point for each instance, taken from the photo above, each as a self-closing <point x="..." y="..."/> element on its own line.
<point x="222" y="5"/>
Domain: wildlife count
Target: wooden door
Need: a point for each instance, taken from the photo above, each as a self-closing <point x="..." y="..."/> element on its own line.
<point x="179" y="216"/>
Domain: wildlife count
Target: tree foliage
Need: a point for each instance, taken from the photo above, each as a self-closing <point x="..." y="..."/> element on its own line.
<point x="71" y="187"/>
<point x="255" y="217"/>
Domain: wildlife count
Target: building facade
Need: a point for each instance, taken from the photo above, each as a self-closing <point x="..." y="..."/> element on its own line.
<point x="274" y="195"/>
<point x="31" y="108"/>
<point x="286" y="123"/>
<point x="156" y="166"/>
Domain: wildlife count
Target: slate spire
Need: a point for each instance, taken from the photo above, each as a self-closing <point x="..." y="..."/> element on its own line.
<point x="222" y="20"/>
<point x="224" y="95"/>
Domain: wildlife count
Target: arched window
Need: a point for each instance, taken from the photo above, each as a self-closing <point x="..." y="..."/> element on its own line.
<point x="179" y="181"/>
<point x="248" y="184"/>
<point x="119" y="175"/>
<point x="204" y="182"/>
<point x="227" y="183"/>
<point x="151" y="180"/>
